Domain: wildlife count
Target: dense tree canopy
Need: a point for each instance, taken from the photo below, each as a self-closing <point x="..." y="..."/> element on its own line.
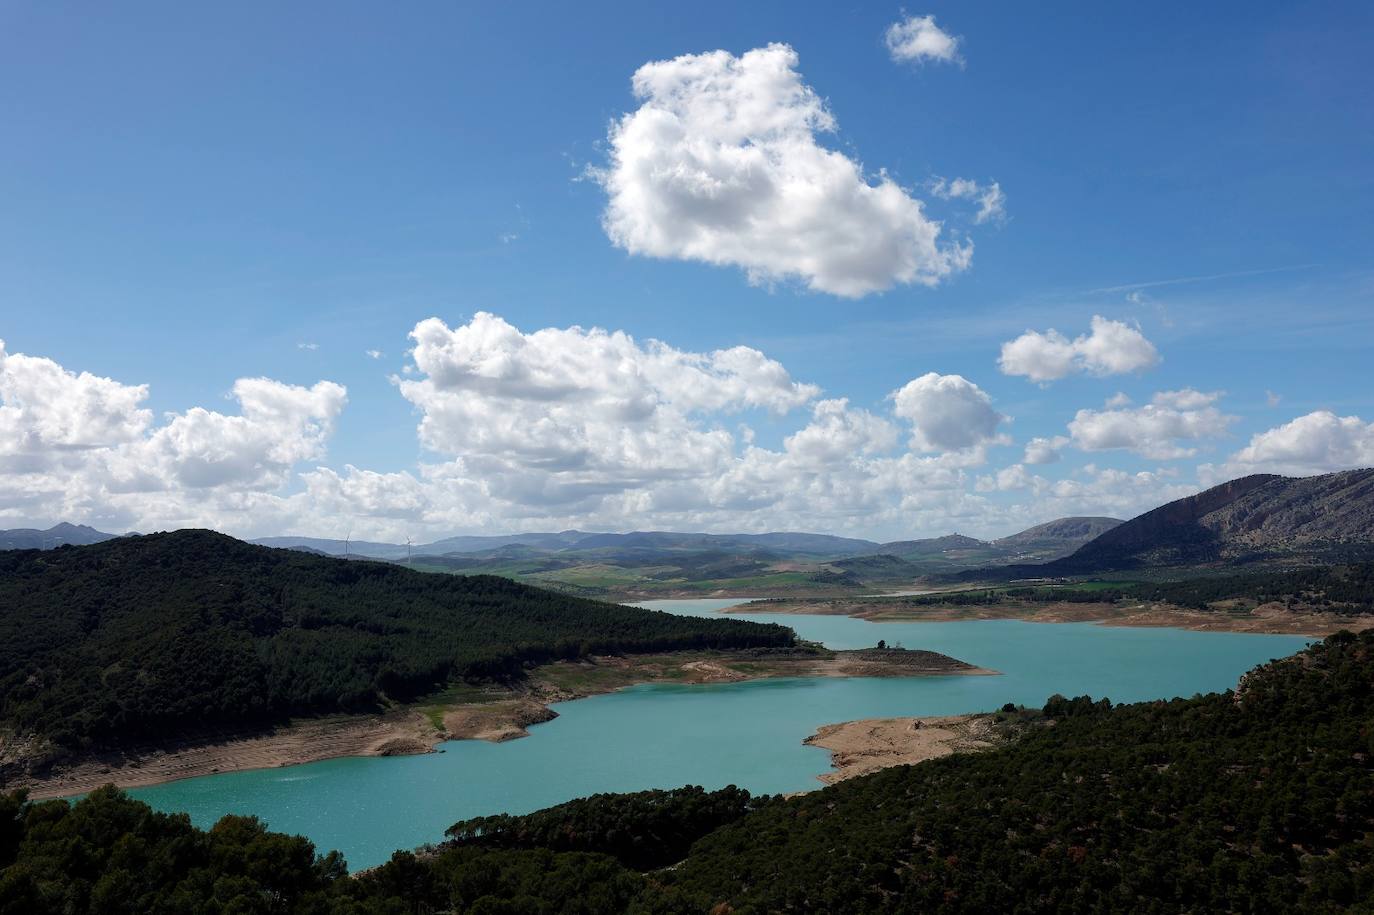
<point x="643" y="830"/>
<point x="1257" y="800"/>
<point x="1341" y="589"/>
<point x="136" y="637"/>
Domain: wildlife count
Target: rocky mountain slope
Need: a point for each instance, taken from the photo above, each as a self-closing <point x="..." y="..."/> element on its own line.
<point x="1061" y="534"/>
<point x="1327" y="518"/>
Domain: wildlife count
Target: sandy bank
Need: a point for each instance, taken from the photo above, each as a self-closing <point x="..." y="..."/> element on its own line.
<point x="860" y="747"/>
<point x="392" y="734"/>
<point x="1273" y="619"/>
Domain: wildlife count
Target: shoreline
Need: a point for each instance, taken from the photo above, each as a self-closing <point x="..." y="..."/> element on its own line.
<point x="869" y="744"/>
<point x="1268" y="619"/>
<point x="496" y="717"/>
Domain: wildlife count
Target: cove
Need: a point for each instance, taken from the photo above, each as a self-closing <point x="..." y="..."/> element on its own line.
<point x="748" y="734"/>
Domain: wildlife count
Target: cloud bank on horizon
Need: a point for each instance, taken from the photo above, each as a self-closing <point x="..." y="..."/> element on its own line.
<point x="577" y="426"/>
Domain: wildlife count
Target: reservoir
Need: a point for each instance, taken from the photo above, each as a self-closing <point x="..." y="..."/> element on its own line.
<point x="749" y="734"/>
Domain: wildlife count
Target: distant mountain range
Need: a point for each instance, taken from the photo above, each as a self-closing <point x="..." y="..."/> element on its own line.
<point x="782" y="542"/>
<point x="1255" y="519"/>
<point x="1064" y="535"/>
<point x="24" y="538"/>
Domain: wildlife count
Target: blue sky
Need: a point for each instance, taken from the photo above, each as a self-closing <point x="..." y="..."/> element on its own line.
<point x="191" y="194"/>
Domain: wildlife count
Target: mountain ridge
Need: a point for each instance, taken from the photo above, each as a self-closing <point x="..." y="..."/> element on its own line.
<point x="62" y="533"/>
<point x="1257" y="518"/>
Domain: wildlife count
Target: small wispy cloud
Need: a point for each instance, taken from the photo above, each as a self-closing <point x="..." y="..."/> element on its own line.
<point x="1272" y="399"/>
<point x="992" y="203"/>
<point x="1179" y="281"/>
<point x="375" y="354"/>
<point x="917" y="39"/>
<point x="308" y="346"/>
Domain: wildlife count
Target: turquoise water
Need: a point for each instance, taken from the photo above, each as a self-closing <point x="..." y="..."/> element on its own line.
<point x="747" y="734"/>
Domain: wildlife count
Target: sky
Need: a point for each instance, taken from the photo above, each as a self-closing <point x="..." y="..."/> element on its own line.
<point x="329" y="269"/>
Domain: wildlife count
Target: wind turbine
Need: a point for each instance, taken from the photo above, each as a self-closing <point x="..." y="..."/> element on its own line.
<point x="347" y="538"/>
<point x="408" y="542"/>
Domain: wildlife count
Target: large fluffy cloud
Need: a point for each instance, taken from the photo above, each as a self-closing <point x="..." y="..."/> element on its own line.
<point x="721" y="164"/>
<point x="81" y="447"/>
<point x="950" y="412"/>
<point x="44" y="407"/>
<point x="917" y="39"/>
<point x="584" y="411"/>
<point x="584" y="426"/>
<point x="278" y="426"/>
<point x="1318" y="442"/>
<point x="1110" y="348"/>
<point x="1157" y="430"/>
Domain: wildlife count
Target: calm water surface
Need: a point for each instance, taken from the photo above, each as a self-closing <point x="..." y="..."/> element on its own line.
<point x="747" y="734"/>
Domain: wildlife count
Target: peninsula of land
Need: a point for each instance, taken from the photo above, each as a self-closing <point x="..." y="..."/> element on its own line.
<point x="493" y="713"/>
<point x="864" y="746"/>
<point x="1272" y="618"/>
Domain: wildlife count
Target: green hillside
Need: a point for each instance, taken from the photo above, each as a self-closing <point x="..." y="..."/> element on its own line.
<point x="134" y="638"/>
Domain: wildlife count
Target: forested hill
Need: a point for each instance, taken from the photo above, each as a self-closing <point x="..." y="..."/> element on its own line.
<point x="134" y="638"/>
<point x="1253" y="801"/>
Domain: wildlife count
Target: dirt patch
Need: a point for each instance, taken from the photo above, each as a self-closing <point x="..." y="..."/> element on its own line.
<point x="496" y="721"/>
<point x="860" y="747"/>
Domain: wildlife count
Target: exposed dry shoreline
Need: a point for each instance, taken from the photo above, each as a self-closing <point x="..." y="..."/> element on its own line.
<point x="499" y="715"/>
<point x="860" y="747"/>
<point x="1272" y="619"/>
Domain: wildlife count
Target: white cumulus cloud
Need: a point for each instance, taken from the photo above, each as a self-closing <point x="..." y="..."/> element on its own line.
<point x="1110" y="348"/>
<point x="278" y="426"/>
<point x="81" y="447"/>
<point x="917" y="39"/>
<point x="1044" y="450"/>
<point x="44" y="407"/>
<point x="1157" y="430"/>
<point x="582" y="412"/>
<point x="1318" y="442"/>
<point x="950" y="412"/>
<point x="721" y="164"/>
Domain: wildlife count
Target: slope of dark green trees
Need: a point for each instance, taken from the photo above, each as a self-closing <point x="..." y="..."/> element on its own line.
<point x="139" y="637"/>
<point x="1340" y="589"/>
<point x="642" y="830"/>
<point x="1257" y="800"/>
